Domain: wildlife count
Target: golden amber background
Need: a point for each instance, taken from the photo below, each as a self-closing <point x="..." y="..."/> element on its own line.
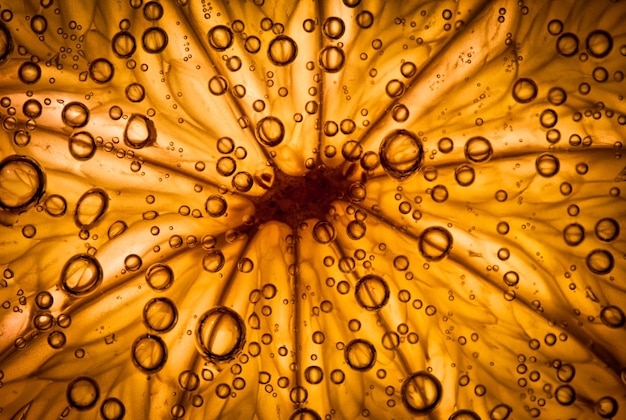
<point x="312" y="209"/>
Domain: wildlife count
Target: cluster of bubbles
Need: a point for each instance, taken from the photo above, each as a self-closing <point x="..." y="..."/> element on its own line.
<point x="253" y="271"/>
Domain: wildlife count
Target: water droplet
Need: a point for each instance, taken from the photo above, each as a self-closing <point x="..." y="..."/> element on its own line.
<point x="81" y="275"/>
<point x="22" y="183"/>
<point x="220" y="334"/>
<point x="159" y="276"/>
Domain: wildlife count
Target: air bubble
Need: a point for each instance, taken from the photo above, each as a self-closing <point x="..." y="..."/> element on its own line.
<point x="154" y="40"/>
<point x="220" y="334"/>
<point x="565" y="395"/>
<point x="218" y="85"/>
<point x="478" y="149"/>
<point x="365" y="19"/>
<point x="567" y="44"/>
<point x="29" y="73"/>
<point x="324" y="232"/>
<point x="612" y="316"/>
<point x="75" y="114"/>
<point x="555" y="27"/>
<point x="332" y="59"/>
<point x="6" y="42"/>
<point x="372" y="292"/>
<point x="112" y="409"/>
<point x="101" y="70"/>
<point x="573" y="234"/>
<point x="90" y="208"/>
<point x="464" y="175"/>
<point x="252" y="44"/>
<point x="333" y="28"/>
<point x="32" y="108"/>
<point x="123" y="44"/>
<point x="607" y="229"/>
<point x="304" y="414"/>
<point x="149" y="353"/>
<point x="139" y="132"/>
<point x="401" y="154"/>
<point x="82" y="393"/>
<point x="82" y="145"/>
<point x="216" y="206"/>
<point x="548" y="118"/>
<point x="22" y="183"/>
<point x="153" y="11"/>
<point x="282" y="50"/>
<point x="524" y="90"/>
<point x="270" y="131"/>
<point x="464" y="414"/>
<point x="599" y="43"/>
<point x="81" y="275"/>
<point x="435" y="243"/>
<point x="547" y="165"/>
<point x="421" y="393"/>
<point x="360" y="354"/>
<point x="213" y="261"/>
<point x="606" y="407"/>
<point x="159" y="276"/>
<point x="160" y="314"/>
<point x="600" y="261"/>
<point x="220" y="38"/>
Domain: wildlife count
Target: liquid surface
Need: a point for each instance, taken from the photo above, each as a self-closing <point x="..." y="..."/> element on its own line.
<point x="312" y="210"/>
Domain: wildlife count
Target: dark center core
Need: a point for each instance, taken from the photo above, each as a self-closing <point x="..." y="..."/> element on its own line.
<point x="293" y="199"/>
